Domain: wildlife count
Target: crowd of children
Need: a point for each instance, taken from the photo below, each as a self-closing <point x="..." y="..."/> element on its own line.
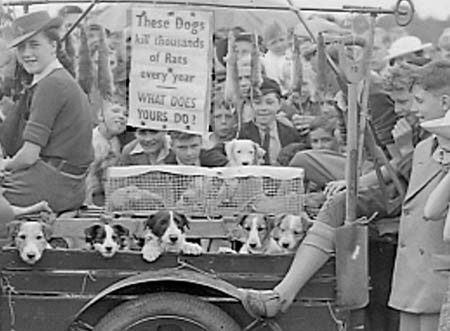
<point x="64" y="122"/>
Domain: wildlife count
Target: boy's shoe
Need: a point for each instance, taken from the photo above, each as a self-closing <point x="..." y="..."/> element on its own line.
<point x="259" y="303"/>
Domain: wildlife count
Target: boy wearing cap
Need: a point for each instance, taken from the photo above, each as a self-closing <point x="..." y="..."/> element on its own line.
<point x="266" y="130"/>
<point x="57" y="150"/>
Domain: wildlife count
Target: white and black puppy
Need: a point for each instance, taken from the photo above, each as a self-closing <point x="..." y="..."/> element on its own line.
<point x="257" y="228"/>
<point x="31" y="239"/>
<point x="243" y="152"/>
<point x="165" y="232"/>
<point x="290" y="230"/>
<point x="107" y="239"/>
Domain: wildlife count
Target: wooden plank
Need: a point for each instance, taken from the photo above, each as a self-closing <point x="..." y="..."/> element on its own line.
<point x="49" y="282"/>
<point x="132" y="261"/>
<point x="30" y="313"/>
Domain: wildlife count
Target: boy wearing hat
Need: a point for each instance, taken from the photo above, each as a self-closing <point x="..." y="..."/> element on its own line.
<point x="406" y="49"/>
<point x="53" y="160"/>
<point x="265" y="129"/>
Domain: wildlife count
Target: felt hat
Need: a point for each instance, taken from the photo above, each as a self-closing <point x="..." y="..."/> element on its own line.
<point x="273" y="31"/>
<point x="438" y="126"/>
<point x="404" y="46"/>
<point x="270" y="86"/>
<point x="31" y="24"/>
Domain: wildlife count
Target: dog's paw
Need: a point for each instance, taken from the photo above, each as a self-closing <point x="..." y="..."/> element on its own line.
<point x="192" y="249"/>
<point x="150" y="254"/>
<point x="226" y="250"/>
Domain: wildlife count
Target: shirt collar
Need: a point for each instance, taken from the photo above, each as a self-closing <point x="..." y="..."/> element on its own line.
<point x="272" y="129"/>
<point x="47" y="71"/>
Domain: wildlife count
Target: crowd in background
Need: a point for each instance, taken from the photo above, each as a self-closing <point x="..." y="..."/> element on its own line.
<point x="298" y="123"/>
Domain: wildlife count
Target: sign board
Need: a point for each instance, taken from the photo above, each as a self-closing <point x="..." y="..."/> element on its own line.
<point x="170" y="69"/>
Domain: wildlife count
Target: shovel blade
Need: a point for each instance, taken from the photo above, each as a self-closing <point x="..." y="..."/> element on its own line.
<point x="352" y="270"/>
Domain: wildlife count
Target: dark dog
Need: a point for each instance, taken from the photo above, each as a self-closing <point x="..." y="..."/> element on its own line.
<point x="165" y="232"/>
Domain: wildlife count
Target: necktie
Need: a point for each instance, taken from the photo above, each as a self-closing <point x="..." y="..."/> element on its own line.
<point x="266" y="145"/>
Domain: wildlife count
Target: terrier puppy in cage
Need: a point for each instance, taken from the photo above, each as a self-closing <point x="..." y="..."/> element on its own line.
<point x="165" y="231"/>
<point x="290" y="230"/>
<point x="107" y="239"/>
<point x="257" y="233"/>
<point x="243" y="152"/>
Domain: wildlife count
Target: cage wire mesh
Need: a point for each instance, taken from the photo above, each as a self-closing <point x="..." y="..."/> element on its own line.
<point x="205" y="192"/>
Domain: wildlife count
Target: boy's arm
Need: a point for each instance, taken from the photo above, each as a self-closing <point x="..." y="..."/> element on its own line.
<point x="24" y="158"/>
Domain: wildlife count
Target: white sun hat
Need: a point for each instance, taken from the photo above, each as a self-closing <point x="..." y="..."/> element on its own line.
<point x="439" y="126"/>
<point x="404" y="46"/>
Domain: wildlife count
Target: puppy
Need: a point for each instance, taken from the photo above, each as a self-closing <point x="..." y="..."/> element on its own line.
<point x="290" y="230"/>
<point x="107" y="239"/>
<point x="243" y="152"/>
<point x="31" y="239"/>
<point x="257" y="228"/>
<point x="165" y="232"/>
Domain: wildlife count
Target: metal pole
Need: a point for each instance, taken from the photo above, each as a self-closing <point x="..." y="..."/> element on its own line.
<point x="351" y="171"/>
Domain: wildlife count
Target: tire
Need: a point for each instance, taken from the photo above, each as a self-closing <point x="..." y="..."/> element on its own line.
<point x="167" y="311"/>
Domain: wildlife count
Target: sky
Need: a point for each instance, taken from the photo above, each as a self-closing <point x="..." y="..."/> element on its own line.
<point x="439" y="9"/>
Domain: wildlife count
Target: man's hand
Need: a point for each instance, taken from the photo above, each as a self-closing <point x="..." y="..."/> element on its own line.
<point x="403" y="136"/>
<point x="334" y="187"/>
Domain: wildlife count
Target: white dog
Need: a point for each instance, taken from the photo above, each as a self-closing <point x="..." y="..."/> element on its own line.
<point x="31" y="239"/>
<point x="243" y="152"/>
<point x="290" y="230"/>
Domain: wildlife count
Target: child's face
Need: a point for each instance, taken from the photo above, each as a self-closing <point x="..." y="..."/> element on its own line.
<point x="188" y="150"/>
<point x="152" y="141"/>
<point x="115" y="118"/>
<point x="243" y="48"/>
<point x="426" y="106"/>
<point x="224" y="122"/>
<point x="323" y="139"/>
<point x="278" y="45"/>
<point x="36" y="53"/>
<point x="402" y="101"/>
<point x="266" y="108"/>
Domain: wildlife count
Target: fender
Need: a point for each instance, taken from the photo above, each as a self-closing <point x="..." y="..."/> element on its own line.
<point x="163" y="275"/>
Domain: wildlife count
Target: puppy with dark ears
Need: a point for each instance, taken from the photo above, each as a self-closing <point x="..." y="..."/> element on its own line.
<point x="257" y="231"/>
<point x="290" y="230"/>
<point x="107" y="239"/>
<point x="31" y="237"/>
<point x="165" y="232"/>
<point x="244" y="152"/>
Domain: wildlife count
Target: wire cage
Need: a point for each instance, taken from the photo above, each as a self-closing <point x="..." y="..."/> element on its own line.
<point x="205" y="192"/>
